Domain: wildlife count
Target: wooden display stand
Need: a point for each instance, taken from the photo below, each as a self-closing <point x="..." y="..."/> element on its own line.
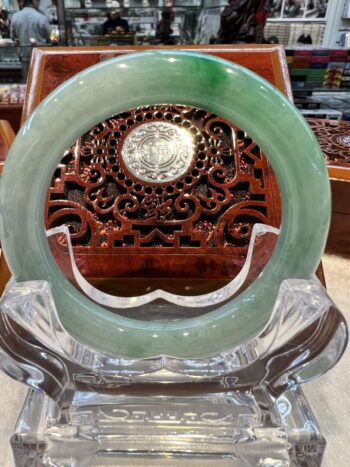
<point x="11" y="113"/>
<point x="334" y="139"/>
<point x="7" y="136"/>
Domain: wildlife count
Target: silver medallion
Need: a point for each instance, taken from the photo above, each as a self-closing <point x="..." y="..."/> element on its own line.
<point x="158" y="152"/>
<point x="344" y="140"/>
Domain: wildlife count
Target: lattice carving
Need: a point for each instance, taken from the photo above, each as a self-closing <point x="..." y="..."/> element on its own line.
<point x="210" y="208"/>
<point x="334" y="139"/>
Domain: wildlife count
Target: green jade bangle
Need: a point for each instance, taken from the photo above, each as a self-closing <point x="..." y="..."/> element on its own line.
<point x="151" y="78"/>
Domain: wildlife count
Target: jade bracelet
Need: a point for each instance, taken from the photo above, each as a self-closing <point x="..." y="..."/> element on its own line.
<point x="166" y="77"/>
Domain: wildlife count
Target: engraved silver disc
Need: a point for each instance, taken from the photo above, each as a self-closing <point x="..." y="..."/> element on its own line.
<point x="344" y="140"/>
<point x="158" y="152"/>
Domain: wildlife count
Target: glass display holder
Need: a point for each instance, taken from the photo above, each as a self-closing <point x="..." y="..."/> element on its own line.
<point x="243" y="406"/>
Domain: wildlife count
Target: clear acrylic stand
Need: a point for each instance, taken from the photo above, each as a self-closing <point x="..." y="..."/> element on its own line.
<point x="243" y="406"/>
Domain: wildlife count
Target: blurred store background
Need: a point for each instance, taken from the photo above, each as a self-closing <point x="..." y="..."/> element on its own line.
<point x="315" y="34"/>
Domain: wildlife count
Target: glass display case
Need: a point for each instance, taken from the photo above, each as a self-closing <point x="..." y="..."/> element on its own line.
<point x="292" y="22"/>
<point x="11" y="70"/>
<point x="287" y="20"/>
<point x="301" y="9"/>
<point x="10" y="63"/>
<point x="82" y="22"/>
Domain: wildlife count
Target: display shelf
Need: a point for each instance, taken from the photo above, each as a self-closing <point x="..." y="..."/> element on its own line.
<point x="10" y="64"/>
<point x="116" y="39"/>
<point x="296" y="20"/>
<point x="12" y="94"/>
<point x="105" y="8"/>
<point x="11" y="103"/>
<point x="321" y="113"/>
<point x="287" y="30"/>
<point x="313" y="90"/>
<point x="319" y="69"/>
<point x="78" y="23"/>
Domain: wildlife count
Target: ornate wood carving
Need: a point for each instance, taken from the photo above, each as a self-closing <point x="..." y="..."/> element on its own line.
<point x="197" y="256"/>
<point x="334" y="139"/>
<point x="209" y="208"/>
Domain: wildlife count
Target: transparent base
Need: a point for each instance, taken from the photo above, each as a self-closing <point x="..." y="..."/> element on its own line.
<point x="231" y="428"/>
<point x="242" y="406"/>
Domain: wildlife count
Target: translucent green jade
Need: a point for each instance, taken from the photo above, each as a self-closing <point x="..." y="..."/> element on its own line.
<point x="146" y="79"/>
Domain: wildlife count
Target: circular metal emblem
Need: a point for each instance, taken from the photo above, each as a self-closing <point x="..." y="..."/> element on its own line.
<point x="158" y="152"/>
<point x="344" y="140"/>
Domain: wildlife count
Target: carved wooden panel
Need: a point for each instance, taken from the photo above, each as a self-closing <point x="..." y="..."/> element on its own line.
<point x="197" y="226"/>
<point x="207" y="208"/>
<point x="334" y="138"/>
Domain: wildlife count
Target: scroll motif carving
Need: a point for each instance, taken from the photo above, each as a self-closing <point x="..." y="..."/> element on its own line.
<point x="334" y="138"/>
<point x="207" y="204"/>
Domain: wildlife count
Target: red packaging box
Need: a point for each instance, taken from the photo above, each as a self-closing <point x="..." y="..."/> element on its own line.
<point x="303" y="53"/>
<point x="320" y="59"/>
<point x="301" y="62"/>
